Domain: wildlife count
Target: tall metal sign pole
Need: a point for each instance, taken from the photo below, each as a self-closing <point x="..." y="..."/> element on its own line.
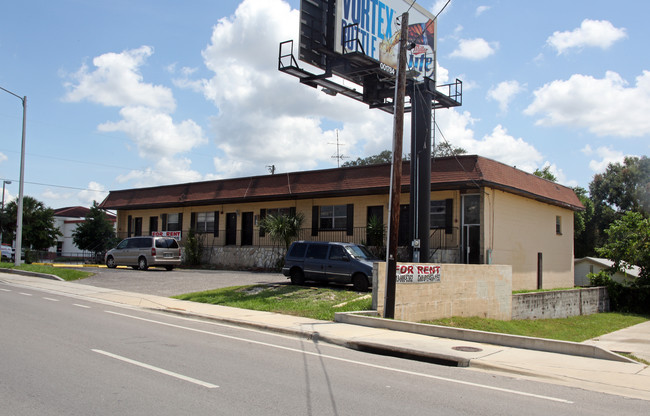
<point x="396" y="173"/>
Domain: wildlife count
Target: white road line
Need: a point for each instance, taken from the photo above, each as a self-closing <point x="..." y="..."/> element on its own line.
<point x="5" y="290"/>
<point x="445" y="379"/>
<point x="25" y="294"/>
<point x="81" y="306"/>
<point x="157" y="369"/>
<point x="51" y="299"/>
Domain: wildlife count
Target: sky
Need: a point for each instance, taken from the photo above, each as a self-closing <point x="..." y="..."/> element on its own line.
<point x="126" y="94"/>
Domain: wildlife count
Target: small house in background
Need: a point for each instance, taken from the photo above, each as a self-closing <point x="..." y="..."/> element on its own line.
<point x="67" y="220"/>
<point x="587" y="265"/>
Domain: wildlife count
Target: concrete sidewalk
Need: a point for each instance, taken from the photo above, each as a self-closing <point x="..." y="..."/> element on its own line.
<point x="628" y="379"/>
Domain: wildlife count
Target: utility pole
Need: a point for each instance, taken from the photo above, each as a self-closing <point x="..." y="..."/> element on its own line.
<point x="396" y="173"/>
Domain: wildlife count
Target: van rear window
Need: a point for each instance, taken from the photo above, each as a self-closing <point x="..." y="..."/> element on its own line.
<point x="166" y="243"/>
<point x="298" y="250"/>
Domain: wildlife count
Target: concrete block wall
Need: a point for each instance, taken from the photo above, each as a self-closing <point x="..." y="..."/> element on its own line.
<point x="463" y="290"/>
<point x="560" y="304"/>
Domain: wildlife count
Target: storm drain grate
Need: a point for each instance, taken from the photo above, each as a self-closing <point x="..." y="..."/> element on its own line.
<point x="467" y="349"/>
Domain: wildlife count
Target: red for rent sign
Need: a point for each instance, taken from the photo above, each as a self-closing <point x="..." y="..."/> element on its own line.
<point x="418" y="273"/>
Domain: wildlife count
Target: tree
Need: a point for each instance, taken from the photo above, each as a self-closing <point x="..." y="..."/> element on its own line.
<point x="97" y="233"/>
<point x="545" y="173"/>
<point x="39" y="231"/>
<point x="628" y="244"/>
<point x="384" y="157"/>
<point x="624" y="187"/>
<point x="445" y="149"/>
<point x="282" y="228"/>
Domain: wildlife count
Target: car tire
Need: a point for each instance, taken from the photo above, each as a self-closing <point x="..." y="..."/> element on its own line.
<point x="169" y="268"/>
<point x="360" y="282"/>
<point x="297" y="277"/>
<point x="142" y="264"/>
<point x="110" y="262"/>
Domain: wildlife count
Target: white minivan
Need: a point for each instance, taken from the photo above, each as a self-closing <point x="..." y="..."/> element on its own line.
<point x="144" y="252"/>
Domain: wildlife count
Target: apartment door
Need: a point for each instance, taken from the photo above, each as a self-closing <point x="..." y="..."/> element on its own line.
<point x="471" y="229"/>
<point x="231" y="229"/>
<point x="247" y="229"/>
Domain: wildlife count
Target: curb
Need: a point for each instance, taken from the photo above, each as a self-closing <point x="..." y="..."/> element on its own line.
<point x="33" y="274"/>
<point x="506" y="340"/>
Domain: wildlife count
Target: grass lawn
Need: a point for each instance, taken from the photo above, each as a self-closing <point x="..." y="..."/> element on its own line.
<point x="310" y="302"/>
<point x="576" y="329"/>
<point x="63" y="273"/>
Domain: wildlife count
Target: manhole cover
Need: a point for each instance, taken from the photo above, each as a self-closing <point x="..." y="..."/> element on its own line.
<point x="467" y="349"/>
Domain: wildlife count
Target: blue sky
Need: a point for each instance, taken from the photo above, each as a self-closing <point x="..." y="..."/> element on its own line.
<point x="124" y="94"/>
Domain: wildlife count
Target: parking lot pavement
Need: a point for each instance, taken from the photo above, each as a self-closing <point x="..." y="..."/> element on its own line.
<point x="160" y="282"/>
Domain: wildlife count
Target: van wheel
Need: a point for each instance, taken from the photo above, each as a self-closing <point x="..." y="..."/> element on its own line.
<point x="142" y="264"/>
<point x="297" y="277"/>
<point x="360" y="282"/>
<point x="110" y="262"/>
<point x="169" y="268"/>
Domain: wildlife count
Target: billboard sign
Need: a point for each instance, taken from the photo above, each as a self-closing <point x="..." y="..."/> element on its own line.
<point x="418" y="273"/>
<point x="372" y="27"/>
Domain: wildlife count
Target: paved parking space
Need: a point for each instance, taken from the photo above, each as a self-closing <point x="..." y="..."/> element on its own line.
<point x="163" y="283"/>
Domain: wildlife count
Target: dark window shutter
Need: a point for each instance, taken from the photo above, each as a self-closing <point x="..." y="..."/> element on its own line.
<point x="193" y="221"/>
<point x="314" y="220"/>
<point x="350" y="220"/>
<point x="129" y="225"/>
<point x="216" y="224"/>
<point x="292" y="211"/>
<point x="449" y="216"/>
<point x="164" y="222"/>
<point x="180" y="222"/>
<point x="262" y="216"/>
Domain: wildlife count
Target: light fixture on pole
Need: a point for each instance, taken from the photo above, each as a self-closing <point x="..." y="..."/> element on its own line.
<point x="19" y="211"/>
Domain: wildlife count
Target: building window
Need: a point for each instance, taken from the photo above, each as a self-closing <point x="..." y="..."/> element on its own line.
<point x="438" y="214"/>
<point x="204" y="222"/>
<point x="333" y="217"/>
<point x="277" y="212"/>
<point x="173" y="222"/>
<point x="558" y="225"/>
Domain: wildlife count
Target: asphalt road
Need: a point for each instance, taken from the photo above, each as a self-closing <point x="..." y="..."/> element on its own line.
<point x="161" y="282"/>
<point x="65" y="355"/>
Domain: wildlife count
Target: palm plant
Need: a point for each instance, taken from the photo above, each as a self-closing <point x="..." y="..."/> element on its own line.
<point x="282" y="229"/>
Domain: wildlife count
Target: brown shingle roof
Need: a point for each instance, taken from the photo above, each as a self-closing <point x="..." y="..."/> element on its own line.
<point x="446" y="173"/>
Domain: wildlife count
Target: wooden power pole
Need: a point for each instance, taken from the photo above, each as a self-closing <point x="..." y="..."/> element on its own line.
<point x="396" y="173"/>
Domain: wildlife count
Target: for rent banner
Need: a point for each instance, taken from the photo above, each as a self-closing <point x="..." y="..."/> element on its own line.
<point x="418" y="273"/>
<point x="372" y="26"/>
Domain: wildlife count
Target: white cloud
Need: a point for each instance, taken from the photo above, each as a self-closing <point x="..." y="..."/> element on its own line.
<point x="591" y="33"/>
<point x="498" y="145"/>
<point x="481" y="9"/>
<point x="155" y="133"/>
<point x="116" y="81"/>
<point x="3" y="157"/>
<point x="605" y="107"/>
<point x="474" y="49"/>
<point x="267" y="117"/>
<point x="559" y="174"/>
<point x="606" y="155"/>
<point x="504" y="93"/>
<point x="95" y="192"/>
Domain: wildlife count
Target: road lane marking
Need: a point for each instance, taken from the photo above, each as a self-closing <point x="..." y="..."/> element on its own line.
<point x="380" y="367"/>
<point x="5" y="290"/>
<point x="51" y="299"/>
<point x="157" y="369"/>
<point x="81" y="306"/>
<point x="25" y="294"/>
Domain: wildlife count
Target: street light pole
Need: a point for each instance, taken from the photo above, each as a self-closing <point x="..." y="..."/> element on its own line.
<point x="19" y="212"/>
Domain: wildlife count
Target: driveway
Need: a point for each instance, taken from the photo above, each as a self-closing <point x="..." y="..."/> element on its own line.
<point x="163" y="283"/>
